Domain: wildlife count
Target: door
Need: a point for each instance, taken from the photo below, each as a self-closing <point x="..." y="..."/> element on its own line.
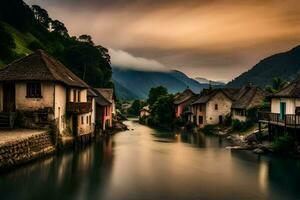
<point x="282" y="110"/>
<point x="220" y="119"/>
<point x="9" y="99"/>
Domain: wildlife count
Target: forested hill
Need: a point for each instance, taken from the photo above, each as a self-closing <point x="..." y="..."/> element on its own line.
<point x="285" y="65"/>
<point x="24" y="29"/>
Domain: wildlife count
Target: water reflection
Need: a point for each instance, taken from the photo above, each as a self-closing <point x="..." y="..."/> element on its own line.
<point x="148" y="164"/>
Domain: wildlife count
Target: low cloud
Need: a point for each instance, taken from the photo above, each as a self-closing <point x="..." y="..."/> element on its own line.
<point x="123" y="59"/>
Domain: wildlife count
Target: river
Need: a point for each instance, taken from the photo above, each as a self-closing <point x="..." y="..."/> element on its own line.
<point x="147" y="164"/>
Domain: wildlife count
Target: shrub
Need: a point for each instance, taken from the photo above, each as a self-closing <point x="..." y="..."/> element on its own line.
<point x="209" y="129"/>
<point x="283" y="144"/>
<point x="227" y="120"/>
<point x="241" y="126"/>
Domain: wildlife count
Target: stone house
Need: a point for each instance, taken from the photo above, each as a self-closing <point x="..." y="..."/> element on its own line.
<point x="211" y="107"/>
<point x="181" y="100"/>
<point x="285" y="109"/>
<point x="41" y="90"/>
<point x="249" y="98"/>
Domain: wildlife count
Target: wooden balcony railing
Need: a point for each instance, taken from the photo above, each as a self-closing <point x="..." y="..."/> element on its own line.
<point x="79" y="107"/>
<point x="275" y="118"/>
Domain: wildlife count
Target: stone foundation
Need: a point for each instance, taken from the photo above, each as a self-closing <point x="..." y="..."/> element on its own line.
<point x="24" y="150"/>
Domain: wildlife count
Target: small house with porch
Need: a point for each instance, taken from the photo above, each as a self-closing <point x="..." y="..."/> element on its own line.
<point x="39" y="90"/>
<point x="212" y="106"/>
<point x="249" y="98"/>
<point x="285" y="109"/>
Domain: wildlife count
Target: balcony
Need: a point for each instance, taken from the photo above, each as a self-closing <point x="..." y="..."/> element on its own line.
<point x="79" y="107"/>
<point x="291" y="121"/>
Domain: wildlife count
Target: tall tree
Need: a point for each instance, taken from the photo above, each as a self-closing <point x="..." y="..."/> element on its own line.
<point x="155" y="93"/>
<point x="41" y="16"/>
<point x="163" y="111"/>
<point x="277" y="85"/>
<point x="86" y="38"/>
<point x="59" y="27"/>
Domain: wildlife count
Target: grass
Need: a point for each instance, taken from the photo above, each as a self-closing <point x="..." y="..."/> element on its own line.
<point x="21" y="40"/>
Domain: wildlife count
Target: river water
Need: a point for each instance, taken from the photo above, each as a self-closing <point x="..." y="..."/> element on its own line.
<point x="146" y="164"/>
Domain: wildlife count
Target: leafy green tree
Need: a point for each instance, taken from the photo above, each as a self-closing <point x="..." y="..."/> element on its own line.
<point x="155" y="93"/>
<point x="7" y="44"/>
<point x="135" y="108"/>
<point x="86" y="38"/>
<point x="277" y="85"/>
<point x="41" y="15"/>
<point x="163" y="112"/>
<point x="59" y="27"/>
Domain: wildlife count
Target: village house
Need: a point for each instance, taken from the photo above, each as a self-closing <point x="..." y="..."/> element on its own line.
<point x="39" y="90"/>
<point x="285" y="109"/>
<point x="249" y="98"/>
<point x="145" y="111"/>
<point x="212" y="106"/>
<point x="105" y="107"/>
<point x="181" y="100"/>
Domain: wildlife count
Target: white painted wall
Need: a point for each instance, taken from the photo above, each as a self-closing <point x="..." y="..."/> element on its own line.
<point x="60" y="106"/>
<point x="31" y="104"/>
<point x="290" y="105"/>
<point x="84" y="126"/>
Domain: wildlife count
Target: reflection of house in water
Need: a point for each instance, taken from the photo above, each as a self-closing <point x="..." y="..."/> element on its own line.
<point x="41" y="89"/>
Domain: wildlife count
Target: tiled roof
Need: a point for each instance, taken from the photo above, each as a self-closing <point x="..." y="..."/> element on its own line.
<point x="249" y="97"/>
<point x="184" y="96"/>
<point x="39" y="66"/>
<point x="107" y="93"/>
<point x="292" y="90"/>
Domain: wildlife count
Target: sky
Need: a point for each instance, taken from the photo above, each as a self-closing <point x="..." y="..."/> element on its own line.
<point x="215" y="39"/>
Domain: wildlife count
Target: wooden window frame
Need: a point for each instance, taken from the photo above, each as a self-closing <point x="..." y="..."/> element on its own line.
<point x="216" y="107"/>
<point x="34" y="90"/>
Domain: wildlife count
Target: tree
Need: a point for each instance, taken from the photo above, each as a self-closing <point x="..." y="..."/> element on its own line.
<point x="104" y="52"/>
<point x="135" y="108"/>
<point x="163" y="112"/>
<point x="155" y="93"/>
<point x="59" y="27"/>
<point x="7" y="44"/>
<point x="86" y="38"/>
<point x="41" y="15"/>
<point x="277" y="85"/>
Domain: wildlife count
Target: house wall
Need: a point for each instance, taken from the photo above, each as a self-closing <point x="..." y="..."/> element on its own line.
<point x="93" y="114"/>
<point x="31" y="104"/>
<point x="81" y="92"/>
<point x="237" y="116"/>
<point x="291" y="104"/>
<point x="60" y="107"/>
<point x="197" y="112"/>
<point x="224" y="108"/>
<point x="84" y="125"/>
<point x="107" y="119"/>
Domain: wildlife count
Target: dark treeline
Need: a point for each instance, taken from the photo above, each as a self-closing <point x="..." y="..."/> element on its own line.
<point x="89" y="61"/>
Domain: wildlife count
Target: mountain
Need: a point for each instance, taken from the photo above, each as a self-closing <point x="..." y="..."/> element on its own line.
<point x="206" y="81"/>
<point x="285" y="65"/>
<point x="135" y="84"/>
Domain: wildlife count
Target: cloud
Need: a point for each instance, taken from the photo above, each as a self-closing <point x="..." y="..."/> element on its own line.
<point x="123" y="59"/>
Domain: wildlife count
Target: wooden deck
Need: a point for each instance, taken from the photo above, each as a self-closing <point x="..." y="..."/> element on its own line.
<point x="289" y="121"/>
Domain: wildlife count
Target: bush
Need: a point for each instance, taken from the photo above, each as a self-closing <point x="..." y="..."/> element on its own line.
<point x="283" y="144"/>
<point x="241" y="126"/>
<point x="227" y="120"/>
<point x="209" y="129"/>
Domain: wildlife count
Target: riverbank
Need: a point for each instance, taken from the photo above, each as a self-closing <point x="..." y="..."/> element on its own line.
<point x="21" y="146"/>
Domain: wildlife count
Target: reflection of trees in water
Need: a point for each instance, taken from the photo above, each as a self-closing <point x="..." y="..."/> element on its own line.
<point x="196" y="139"/>
<point x="82" y="173"/>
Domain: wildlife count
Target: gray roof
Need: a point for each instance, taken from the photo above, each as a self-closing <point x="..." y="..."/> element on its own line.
<point x="39" y="66"/>
<point x="107" y="93"/>
<point x="204" y="98"/>
<point x="249" y="97"/>
<point x="292" y="90"/>
<point x="99" y="99"/>
<point x="184" y="96"/>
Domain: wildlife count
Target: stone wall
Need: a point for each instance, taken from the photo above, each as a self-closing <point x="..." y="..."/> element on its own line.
<point x="24" y="150"/>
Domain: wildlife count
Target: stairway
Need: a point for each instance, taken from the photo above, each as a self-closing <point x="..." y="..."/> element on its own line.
<point x="4" y="120"/>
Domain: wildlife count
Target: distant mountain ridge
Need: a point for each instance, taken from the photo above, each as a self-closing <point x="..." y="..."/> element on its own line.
<point x="135" y="84"/>
<point x="285" y="65"/>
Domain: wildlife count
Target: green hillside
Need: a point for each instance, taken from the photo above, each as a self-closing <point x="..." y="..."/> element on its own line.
<point x="24" y="29"/>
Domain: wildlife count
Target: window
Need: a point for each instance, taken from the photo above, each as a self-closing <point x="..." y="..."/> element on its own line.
<point x="34" y="90"/>
<point x="87" y="119"/>
<point x="74" y="95"/>
<point x="82" y="121"/>
<point x="106" y="113"/>
<point x="90" y="118"/>
<point x="216" y="107"/>
<point x="78" y="96"/>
